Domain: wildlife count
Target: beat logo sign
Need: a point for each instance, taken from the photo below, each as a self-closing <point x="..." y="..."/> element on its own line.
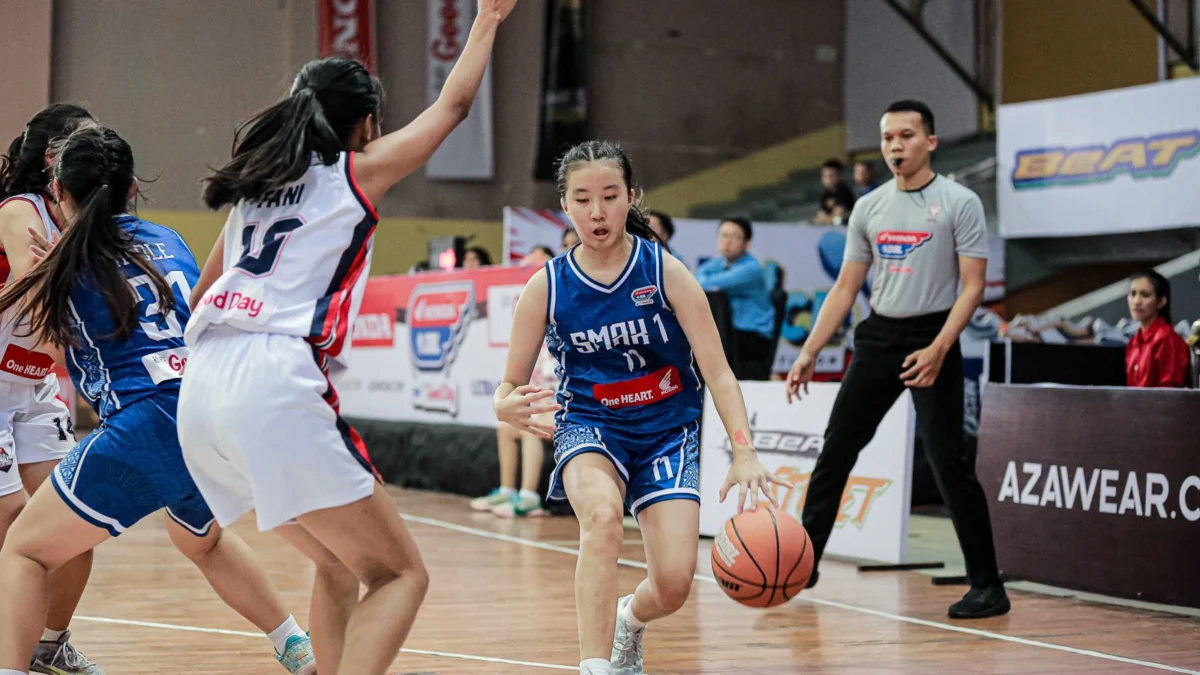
<point x="438" y="316"/>
<point x="894" y="245"/>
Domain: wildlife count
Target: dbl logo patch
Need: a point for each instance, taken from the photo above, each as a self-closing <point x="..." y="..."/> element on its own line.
<point x="438" y="316"/>
<point x="644" y="295"/>
<point x="894" y="245"/>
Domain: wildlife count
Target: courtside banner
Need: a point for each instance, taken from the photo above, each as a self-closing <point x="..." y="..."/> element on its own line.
<point x="872" y="523"/>
<point x="1094" y="489"/>
<point x="1111" y="162"/>
<point x="808" y="256"/>
<point x="467" y="153"/>
<point x="431" y="347"/>
<point x="347" y="28"/>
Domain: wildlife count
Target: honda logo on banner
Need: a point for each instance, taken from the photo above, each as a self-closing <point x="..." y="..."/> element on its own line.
<point x="347" y="28"/>
<point x="467" y="152"/>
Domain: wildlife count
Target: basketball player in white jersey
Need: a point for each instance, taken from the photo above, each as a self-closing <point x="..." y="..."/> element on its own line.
<point x="35" y="425"/>
<point x="258" y="414"/>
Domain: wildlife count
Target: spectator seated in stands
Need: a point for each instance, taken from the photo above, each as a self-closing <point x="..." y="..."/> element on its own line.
<point x="476" y="257"/>
<point x="864" y="178"/>
<point x="664" y="227"/>
<point x="540" y="255"/>
<point x="570" y="238"/>
<point x="738" y="274"/>
<point x="524" y="448"/>
<point x="838" y="199"/>
<point x="1156" y="356"/>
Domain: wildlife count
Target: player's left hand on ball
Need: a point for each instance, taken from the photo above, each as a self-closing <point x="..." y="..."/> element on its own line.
<point x="752" y="477"/>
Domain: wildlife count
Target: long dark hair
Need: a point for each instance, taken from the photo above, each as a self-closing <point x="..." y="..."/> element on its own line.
<point x="329" y="99"/>
<point x="23" y="168"/>
<point x="95" y="168"/>
<point x="607" y="151"/>
<point x="1162" y="289"/>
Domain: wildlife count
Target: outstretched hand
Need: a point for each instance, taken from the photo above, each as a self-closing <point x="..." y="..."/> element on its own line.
<point x="523" y="405"/>
<point x="501" y="8"/>
<point x="753" y="477"/>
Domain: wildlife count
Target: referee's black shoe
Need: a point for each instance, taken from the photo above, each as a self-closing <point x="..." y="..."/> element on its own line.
<point x="980" y="603"/>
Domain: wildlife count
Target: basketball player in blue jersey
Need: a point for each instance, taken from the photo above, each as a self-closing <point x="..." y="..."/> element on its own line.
<point x="623" y="317"/>
<point x="113" y="292"/>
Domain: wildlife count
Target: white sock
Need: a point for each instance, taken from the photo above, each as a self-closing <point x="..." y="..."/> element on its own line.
<point x="595" y="667"/>
<point x="628" y="617"/>
<point x="287" y="629"/>
<point x="11" y="672"/>
<point x="507" y="492"/>
<point x="528" y="494"/>
<point x="50" y="636"/>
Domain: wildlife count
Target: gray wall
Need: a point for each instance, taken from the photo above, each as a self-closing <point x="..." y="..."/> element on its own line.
<point x="176" y="77"/>
<point x="887" y="60"/>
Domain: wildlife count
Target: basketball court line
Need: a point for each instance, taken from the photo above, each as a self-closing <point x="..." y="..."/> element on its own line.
<point x="260" y="636"/>
<point x="433" y="522"/>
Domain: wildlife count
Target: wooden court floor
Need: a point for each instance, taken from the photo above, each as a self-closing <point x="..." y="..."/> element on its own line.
<point x="501" y="602"/>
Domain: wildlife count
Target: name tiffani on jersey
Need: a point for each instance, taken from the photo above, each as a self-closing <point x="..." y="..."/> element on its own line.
<point x="284" y="196"/>
<point x="622" y="333"/>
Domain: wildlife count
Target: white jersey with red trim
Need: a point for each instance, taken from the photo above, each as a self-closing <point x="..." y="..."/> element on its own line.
<point x="20" y="361"/>
<point x="296" y="263"/>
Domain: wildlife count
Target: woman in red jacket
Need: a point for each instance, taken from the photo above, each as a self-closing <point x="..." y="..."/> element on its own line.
<point x="1156" y="356"/>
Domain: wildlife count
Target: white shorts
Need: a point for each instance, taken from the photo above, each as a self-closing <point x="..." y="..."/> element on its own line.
<point x="35" y="426"/>
<point x="259" y="428"/>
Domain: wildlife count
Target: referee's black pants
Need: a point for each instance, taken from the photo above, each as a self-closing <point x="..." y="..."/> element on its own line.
<point x="869" y="390"/>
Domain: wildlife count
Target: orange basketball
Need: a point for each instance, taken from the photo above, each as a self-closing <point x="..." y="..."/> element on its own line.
<point x="762" y="558"/>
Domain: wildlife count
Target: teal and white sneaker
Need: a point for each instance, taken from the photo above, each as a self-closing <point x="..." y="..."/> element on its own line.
<point x="60" y="657"/>
<point x="492" y="499"/>
<point x="297" y="656"/>
<point x="626" y="656"/>
<point x="521" y="506"/>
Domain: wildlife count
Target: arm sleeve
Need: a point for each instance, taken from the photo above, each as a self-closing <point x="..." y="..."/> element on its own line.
<point x="970" y="227"/>
<point x="858" y="243"/>
<point x="1170" y="359"/>
<point x="744" y="276"/>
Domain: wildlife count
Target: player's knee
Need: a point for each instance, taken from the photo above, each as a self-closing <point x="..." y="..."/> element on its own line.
<point x="10" y="507"/>
<point x="604" y="522"/>
<point x="382" y="572"/>
<point x="673" y="588"/>
<point x="194" y="548"/>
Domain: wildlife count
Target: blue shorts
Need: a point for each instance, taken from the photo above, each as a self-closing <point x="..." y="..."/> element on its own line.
<point x="655" y="467"/>
<point x="130" y="467"/>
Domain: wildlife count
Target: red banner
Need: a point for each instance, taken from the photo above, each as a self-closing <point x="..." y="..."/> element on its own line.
<point x="347" y="28"/>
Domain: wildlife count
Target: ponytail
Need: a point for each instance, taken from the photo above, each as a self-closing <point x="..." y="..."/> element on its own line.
<point x="273" y="148"/>
<point x="329" y="99"/>
<point x="97" y="165"/>
<point x="638" y="223"/>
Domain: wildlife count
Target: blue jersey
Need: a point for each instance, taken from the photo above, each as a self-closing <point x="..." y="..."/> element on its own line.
<point x="112" y="373"/>
<point x="623" y="358"/>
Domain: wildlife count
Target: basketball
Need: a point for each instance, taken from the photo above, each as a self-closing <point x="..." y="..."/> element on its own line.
<point x="762" y="558"/>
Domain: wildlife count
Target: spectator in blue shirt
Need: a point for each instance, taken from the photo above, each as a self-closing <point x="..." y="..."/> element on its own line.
<point x="741" y="277"/>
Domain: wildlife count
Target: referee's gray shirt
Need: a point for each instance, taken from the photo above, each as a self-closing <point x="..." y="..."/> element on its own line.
<point x="914" y="239"/>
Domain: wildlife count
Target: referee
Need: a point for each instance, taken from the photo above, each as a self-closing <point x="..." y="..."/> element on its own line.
<point x="923" y="234"/>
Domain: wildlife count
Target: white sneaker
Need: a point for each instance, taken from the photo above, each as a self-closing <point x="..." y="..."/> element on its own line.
<point x="626" y="656"/>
